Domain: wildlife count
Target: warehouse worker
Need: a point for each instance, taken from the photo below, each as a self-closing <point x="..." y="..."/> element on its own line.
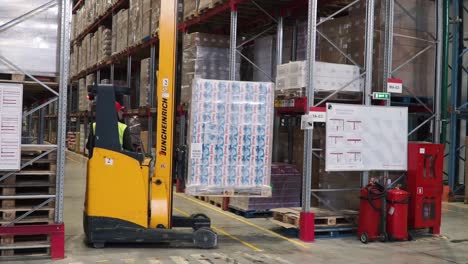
<point x="125" y="139"/>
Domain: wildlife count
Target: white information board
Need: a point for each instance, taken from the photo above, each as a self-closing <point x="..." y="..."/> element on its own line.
<point x="366" y="138"/>
<point x="11" y="105"/>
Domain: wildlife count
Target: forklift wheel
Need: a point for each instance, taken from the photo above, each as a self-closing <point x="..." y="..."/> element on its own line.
<point x="384" y="237"/>
<point x="205" y="238"/>
<point x="199" y="216"/>
<point x="98" y="245"/>
<point x="364" y="238"/>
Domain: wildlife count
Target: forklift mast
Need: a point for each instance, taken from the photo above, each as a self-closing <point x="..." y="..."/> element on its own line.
<point x="161" y="193"/>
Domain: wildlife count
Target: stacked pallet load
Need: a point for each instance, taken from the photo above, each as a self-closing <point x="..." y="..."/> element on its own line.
<point x="205" y="5"/>
<point x="144" y="82"/>
<point x="348" y="33"/>
<point x="73" y="141"/>
<point x="120" y="26"/>
<point x="82" y="95"/>
<point x="204" y="56"/>
<point x="286" y="182"/>
<point x="322" y="179"/>
<point x="190" y="9"/>
<point x="328" y="77"/>
<point x="155" y="12"/>
<point x="83" y="139"/>
<point x="104" y="44"/>
<point x="135" y="22"/>
<point x="33" y="181"/>
<point x="230" y="138"/>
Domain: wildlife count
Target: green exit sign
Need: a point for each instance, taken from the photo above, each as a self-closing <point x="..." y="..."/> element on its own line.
<point x="380" y="96"/>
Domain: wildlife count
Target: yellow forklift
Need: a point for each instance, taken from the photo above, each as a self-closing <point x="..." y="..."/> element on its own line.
<point x="124" y="203"/>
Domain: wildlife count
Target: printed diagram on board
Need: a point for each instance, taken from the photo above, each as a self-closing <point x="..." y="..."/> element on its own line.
<point x="344" y="142"/>
<point x="337" y="125"/>
<point x="365" y="138"/>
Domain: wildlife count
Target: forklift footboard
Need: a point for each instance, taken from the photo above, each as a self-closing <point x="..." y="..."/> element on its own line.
<point x="102" y="230"/>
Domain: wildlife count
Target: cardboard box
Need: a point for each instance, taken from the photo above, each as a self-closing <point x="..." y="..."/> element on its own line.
<point x="328" y="76"/>
<point x="205" y="40"/>
<point x="114" y="33"/>
<point x="204" y="56"/>
<point x="155" y="12"/>
<point x="146" y="19"/>
<point x="135" y="22"/>
<point x="122" y="30"/>
<point x="190" y="8"/>
<point x="82" y="93"/>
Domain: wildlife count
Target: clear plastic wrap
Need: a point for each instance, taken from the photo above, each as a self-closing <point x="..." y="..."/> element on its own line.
<point x="146" y="19"/>
<point x="134" y="22"/>
<point x="230" y="138"/>
<point x="144" y="82"/>
<point x="155" y="12"/>
<point x="82" y="92"/>
<point x="35" y="37"/>
<point x="205" y="57"/>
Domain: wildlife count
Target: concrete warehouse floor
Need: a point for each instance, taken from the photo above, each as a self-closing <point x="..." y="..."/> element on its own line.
<point x="255" y="240"/>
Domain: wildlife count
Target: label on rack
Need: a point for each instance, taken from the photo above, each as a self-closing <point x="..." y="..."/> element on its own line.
<point x="395" y="86"/>
<point x="196" y="151"/>
<point x="11" y="105"/>
<point x="307" y="122"/>
<point x="284" y="103"/>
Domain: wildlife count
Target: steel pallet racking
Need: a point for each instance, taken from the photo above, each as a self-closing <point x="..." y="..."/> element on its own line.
<point x="24" y="222"/>
<point x="454" y="95"/>
<point x="246" y="20"/>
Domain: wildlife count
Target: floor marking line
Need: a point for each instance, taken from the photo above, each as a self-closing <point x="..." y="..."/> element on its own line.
<point x="242" y="220"/>
<point x="219" y="230"/>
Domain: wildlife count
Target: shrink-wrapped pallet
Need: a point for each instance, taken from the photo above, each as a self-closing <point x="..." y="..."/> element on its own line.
<point x="82" y="92"/>
<point x="230" y="138"/>
<point x="190" y="9"/>
<point x="286" y="182"/>
<point x="205" y="56"/>
<point x="145" y="32"/>
<point x="104" y="46"/>
<point x="134" y="22"/>
<point x="115" y="24"/>
<point x="144" y="82"/>
<point x="155" y="12"/>
<point x="122" y="30"/>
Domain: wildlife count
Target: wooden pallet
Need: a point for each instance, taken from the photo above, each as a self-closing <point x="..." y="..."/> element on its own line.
<point x="12" y="77"/>
<point x="335" y="232"/>
<point x="216" y="201"/>
<point x="202" y="198"/>
<point x="24" y="245"/>
<point x="250" y="213"/>
<point x="38" y="178"/>
<point x="289" y="217"/>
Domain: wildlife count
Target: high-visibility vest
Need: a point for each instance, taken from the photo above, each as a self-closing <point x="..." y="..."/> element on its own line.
<point x="121" y="127"/>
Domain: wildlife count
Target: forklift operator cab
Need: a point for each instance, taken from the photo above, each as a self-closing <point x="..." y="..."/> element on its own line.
<point x="124" y="203"/>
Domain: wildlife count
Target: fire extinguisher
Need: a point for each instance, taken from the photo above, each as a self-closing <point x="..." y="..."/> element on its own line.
<point x="397" y="214"/>
<point x="370" y="213"/>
